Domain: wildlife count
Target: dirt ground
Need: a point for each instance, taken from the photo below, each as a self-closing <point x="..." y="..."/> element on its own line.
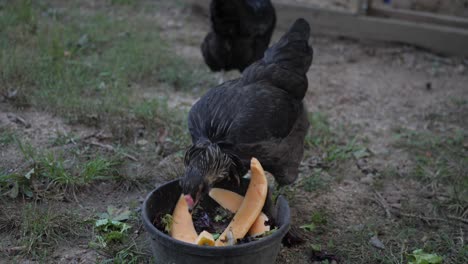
<point x="371" y="93"/>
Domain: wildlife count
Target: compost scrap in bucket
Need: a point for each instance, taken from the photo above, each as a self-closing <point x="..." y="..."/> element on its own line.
<point x="211" y="217"/>
<point x="211" y="224"/>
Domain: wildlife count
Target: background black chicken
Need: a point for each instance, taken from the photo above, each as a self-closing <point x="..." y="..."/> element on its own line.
<point x="258" y="115"/>
<point x="240" y="33"/>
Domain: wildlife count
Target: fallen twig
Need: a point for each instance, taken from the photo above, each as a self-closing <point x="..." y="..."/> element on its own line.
<point x="383" y="203"/>
<point x="111" y="148"/>
<point x="18" y="119"/>
<point x="85" y="137"/>
<point x="428" y="219"/>
<point x="456" y="218"/>
<point x="425" y="218"/>
<point x="14" y="250"/>
<point x="393" y="211"/>
<point x="74" y="141"/>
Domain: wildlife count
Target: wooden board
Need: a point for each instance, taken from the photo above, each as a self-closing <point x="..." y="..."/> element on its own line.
<point x="416" y="16"/>
<point x="438" y="38"/>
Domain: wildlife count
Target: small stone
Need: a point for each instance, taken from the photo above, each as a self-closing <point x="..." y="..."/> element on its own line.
<point x="375" y="241"/>
<point x="368" y="179"/>
<point x="83" y="41"/>
<point x="357" y="228"/>
<point x="465" y="144"/>
<point x="142" y="142"/>
<point x="12" y="94"/>
<point x="428" y="86"/>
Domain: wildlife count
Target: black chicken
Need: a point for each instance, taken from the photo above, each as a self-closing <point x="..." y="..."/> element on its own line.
<point x="240" y="33"/>
<point x="259" y="115"/>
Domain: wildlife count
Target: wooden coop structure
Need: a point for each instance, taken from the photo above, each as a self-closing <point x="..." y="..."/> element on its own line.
<point x="377" y="20"/>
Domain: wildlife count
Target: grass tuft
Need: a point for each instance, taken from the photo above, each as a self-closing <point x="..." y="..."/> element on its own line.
<point x="16" y="13"/>
<point x="332" y="144"/>
<point x="46" y="172"/>
<point x="156" y="113"/>
<point x="7" y="137"/>
<point x="43" y="229"/>
<point x="318" y="180"/>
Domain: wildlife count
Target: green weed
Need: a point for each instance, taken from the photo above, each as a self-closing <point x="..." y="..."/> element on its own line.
<point x="113" y="236"/>
<point x="318" y="220"/>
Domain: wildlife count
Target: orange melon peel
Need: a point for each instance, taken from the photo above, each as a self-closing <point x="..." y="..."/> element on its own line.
<point x="250" y="207"/>
<point x="232" y="201"/>
<point x="259" y="228"/>
<point x="182" y="224"/>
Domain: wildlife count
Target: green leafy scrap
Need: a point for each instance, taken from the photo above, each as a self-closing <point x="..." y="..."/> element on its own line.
<point x="420" y="257"/>
<point x="167" y="221"/>
<point x="308" y="227"/>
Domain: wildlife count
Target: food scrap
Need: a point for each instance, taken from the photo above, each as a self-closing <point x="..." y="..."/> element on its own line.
<point x="239" y="219"/>
<point x="182" y="225"/>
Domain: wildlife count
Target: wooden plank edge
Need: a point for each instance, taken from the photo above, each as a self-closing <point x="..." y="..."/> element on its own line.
<point x="417" y="16"/>
<point x="440" y="39"/>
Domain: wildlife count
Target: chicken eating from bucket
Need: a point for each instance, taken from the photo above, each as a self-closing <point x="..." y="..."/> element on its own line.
<point x="244" y="216"/>
<point x="261" y="115"/>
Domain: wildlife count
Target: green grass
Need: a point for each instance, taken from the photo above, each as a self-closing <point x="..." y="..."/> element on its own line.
<point x="41" y="230"/>
<point x="85" y="66"/>
<point x="61" y="139"/>
<point x="320" y="134"/>
<point x="98" y="168"/>
<point x="109" y="67"/>
<point x="88" y="68"/>
<point x="399" y="238"/>
<point x="316" y="181"/>
<point x="123" y="2"/>
<point x="127" y="255"/>
<point x="156" y="112"/>
<point x="56" y="172"/>
<point x="115" y="237"/>
<point x="7" y="137"/>
<point x="317" y="223"/>
<point x="333" y="145"/>
<point x="20" y="12"/>
<point x="331" y="150"/>
<point x="441" y="164"/>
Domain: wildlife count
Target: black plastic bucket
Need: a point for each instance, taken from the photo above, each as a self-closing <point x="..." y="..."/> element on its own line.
<point x="167" y="250"/>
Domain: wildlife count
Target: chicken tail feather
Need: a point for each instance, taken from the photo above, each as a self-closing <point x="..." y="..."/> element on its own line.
<point x="292" y="51"/>
<point x="285" y="64"/>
